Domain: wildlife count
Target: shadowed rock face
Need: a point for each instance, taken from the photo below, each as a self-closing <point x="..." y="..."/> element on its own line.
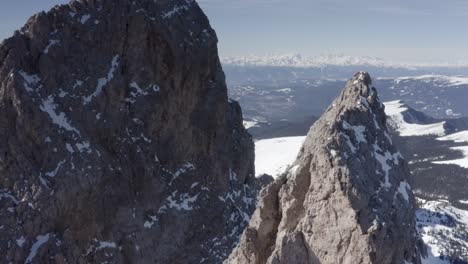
<point x="118" y="142"/>
<point x="346" y="199"/>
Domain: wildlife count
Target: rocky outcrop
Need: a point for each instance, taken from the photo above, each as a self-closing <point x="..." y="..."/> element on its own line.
<point x="118" y="143"/>
<point x="346" y="199"/>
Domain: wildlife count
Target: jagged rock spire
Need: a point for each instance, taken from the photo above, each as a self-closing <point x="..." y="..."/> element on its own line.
<point x="347" y="197"/>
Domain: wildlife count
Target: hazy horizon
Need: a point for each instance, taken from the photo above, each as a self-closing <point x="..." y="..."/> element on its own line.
<point x="412" y="32"/>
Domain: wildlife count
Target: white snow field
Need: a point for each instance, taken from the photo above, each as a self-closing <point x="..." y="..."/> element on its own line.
<point x="273" y="156"/>
<point x="448" y="81"/>
<point x="463" y="162"/>
<point x="460" y="137"/>
<point x="395" y="110"/>
<point x="250" y="124"/>
<point x="438" y="224"/>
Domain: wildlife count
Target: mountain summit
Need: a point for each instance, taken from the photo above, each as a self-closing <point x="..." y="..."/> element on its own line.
<point x="346" y="199"/>
<point x="119" y="144"/>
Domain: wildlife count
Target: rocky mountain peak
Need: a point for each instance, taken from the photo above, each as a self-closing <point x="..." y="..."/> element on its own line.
<point x="119" y="144"/>
<point x="346" y="199"/>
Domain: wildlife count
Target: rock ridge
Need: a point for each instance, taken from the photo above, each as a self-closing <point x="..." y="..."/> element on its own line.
<point x="119" y="143"/>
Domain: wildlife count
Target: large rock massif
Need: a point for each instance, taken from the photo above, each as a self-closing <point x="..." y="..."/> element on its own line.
<point x="345" y="200"/>
<point x="118" y="143"/>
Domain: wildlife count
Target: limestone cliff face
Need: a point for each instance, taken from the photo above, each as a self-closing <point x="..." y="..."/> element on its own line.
<point x="118" y="142"/>
<point x="346" y="199"/>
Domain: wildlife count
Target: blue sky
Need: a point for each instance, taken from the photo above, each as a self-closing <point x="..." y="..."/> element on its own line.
<point x="431" y="31"/>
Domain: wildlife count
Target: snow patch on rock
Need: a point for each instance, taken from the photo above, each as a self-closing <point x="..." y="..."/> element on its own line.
<point x="102" y="82"/>
<point x="31" y="82"/>
<point x="52" y="43"/>
<point x="60" y="119"/>
<point x="85" y="18"/>
<point x="40" y="240"/>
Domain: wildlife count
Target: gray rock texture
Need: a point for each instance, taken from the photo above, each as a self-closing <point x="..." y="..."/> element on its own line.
<point x="117" y="140"/>
<point x="345" y="200"/>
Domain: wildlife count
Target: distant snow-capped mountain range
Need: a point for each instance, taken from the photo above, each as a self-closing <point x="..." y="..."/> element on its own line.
<point x="298" y="60"/>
